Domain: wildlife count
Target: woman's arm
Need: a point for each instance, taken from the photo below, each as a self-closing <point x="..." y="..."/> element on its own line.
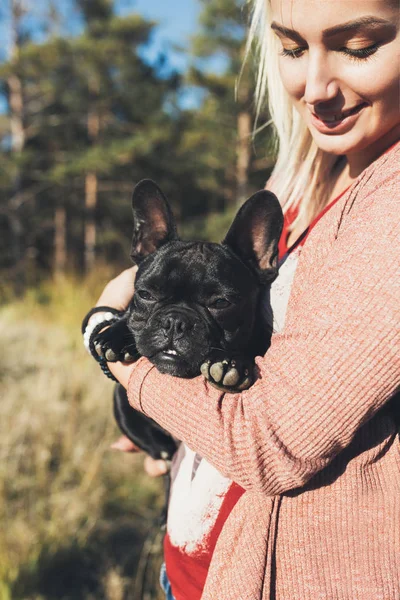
<point x="117" y="294"/>
<point x="119" y="291"/>
<point x="335" y="366"/>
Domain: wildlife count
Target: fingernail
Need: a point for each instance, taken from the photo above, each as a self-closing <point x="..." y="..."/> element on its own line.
<point x="124" y="445"/>
<point x="162" y="466"/>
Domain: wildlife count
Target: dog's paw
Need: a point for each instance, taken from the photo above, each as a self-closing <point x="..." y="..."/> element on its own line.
<point x="116" y="343"/>
<point x="230" y="374"/>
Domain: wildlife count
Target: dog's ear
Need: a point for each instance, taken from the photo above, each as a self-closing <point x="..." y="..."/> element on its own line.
<point x="255" y="232"/>
<point x="153" y="221"/>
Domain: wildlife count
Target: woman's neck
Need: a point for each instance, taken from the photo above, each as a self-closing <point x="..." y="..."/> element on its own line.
<point x="349" y="167"/>
<point x="358" y="161"/>
<point x="341" y="178"/>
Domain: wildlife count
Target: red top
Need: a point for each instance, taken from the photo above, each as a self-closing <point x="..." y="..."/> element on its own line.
<point x="290" y="216"/>
<point x="187" y="572"/>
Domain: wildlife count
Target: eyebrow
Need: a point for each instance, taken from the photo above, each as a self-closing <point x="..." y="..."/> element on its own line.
<point x="371" y="22"/>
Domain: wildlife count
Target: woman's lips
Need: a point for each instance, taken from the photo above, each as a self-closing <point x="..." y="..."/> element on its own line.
<point x="336" y="122"/>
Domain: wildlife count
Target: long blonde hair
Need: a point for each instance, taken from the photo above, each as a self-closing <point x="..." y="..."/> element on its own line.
<point x="302" y="171"/>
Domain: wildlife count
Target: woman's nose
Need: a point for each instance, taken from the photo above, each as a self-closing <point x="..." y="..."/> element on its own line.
<point x="321" y="82"/>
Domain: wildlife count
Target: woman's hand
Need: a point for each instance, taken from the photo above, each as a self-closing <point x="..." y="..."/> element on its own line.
<point x="119" y="291"/>
<point x="153" y="467"/>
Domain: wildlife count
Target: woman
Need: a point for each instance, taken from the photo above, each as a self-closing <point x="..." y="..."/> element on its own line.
<point x="313" y="444"/>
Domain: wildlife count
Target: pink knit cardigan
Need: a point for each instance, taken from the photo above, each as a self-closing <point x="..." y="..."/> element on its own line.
<point x="314" y="441"/>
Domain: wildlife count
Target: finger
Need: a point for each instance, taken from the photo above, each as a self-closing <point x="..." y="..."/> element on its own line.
<point x="124" y="444"/>
<point x="155" y="468"/>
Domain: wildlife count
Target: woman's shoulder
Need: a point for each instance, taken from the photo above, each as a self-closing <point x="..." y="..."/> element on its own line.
<point x="383" y="174"/>
<point x="365" y="222"/>
<point x="372" y="202"/>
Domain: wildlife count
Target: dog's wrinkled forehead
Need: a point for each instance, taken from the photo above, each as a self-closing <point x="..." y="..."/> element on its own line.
<point x="195" y="269"/>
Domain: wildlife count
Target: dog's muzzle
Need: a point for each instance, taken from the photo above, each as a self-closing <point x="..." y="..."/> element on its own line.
<point x="175" y="339"/>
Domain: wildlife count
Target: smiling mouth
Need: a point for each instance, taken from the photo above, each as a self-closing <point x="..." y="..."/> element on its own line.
<point x="340" y="116"/>
<point x="170" y="352"/>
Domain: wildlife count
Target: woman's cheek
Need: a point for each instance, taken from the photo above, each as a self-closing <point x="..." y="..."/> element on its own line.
<point x="292" y="76"/>
<point x="375" y="82"/>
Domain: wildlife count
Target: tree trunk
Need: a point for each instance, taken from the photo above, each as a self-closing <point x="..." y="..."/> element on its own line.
<point x="244" y="130"/>
<point x="90" y="222"/>
<point x="243" y="153"/>
<point x="91" y="189"/>
<point x="16" y="110"/>
<point x="17" y="131"/>
<point x="60" y="240"/>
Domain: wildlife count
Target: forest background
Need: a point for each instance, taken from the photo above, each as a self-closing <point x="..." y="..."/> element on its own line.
<point x="84" y="115"/>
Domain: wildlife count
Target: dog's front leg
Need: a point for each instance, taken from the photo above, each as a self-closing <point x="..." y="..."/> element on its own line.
<point x="116" y="343"/>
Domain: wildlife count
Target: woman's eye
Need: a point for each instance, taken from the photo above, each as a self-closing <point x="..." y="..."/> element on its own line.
<point x="220" y="303"/>
<point x="356" y="53"/>
<point x="360" y="53"/>
<point x="144" y="295"/>
<point x="292" y="52"/>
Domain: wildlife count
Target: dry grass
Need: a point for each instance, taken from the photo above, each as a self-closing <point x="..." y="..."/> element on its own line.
<point x="74" y="515"/>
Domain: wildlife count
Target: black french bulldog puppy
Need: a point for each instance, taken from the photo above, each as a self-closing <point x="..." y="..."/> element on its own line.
<point x="196" y="304"/>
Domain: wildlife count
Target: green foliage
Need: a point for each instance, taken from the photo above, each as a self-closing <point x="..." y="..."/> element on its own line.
<point x="214" y="136"/>
<point x="99" y="77"/>
<point x="224" y="24"/>
<point x="92" y="105"/>
<point x="212" y="228"/>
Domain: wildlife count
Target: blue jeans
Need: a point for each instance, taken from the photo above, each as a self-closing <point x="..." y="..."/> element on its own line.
<point x="165" y="584"/>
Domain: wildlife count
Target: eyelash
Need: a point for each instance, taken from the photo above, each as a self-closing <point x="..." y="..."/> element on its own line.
<point x="360" y="54"/>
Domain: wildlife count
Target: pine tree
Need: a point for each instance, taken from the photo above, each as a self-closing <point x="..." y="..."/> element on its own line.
<point x="95" y="122"/>
<point x="17" y="140"/>
<point x="228" y="108"/>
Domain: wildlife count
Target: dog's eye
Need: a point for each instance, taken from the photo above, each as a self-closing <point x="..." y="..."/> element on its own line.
<point x="144" y="295"/>
<point x="220" y="303"/>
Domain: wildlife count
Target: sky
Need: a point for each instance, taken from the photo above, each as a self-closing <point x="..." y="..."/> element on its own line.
<point x="177" y="21"/>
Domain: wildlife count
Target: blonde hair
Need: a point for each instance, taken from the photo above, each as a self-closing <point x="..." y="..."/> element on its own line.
<point x="302" y="171"/>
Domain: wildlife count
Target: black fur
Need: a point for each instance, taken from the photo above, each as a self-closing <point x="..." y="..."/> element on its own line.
<point x="195" y="307"/>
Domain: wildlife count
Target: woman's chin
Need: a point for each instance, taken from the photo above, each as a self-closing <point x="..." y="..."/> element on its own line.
<point x="340" y="144"/>
<point x="365" y="135"/>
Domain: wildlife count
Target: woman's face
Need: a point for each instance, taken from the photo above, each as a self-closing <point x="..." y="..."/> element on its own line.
<point x="339" y="62"/>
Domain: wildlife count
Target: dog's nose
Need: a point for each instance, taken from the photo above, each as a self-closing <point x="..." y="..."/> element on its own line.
<point x="175" y="326"/>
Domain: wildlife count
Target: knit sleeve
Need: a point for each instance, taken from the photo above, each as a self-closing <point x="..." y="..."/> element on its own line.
<point x="336" y="364"/>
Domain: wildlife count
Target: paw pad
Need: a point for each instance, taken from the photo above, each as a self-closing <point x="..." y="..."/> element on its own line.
<point x="116" y="343"/>
<point x="228" y="374"/>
